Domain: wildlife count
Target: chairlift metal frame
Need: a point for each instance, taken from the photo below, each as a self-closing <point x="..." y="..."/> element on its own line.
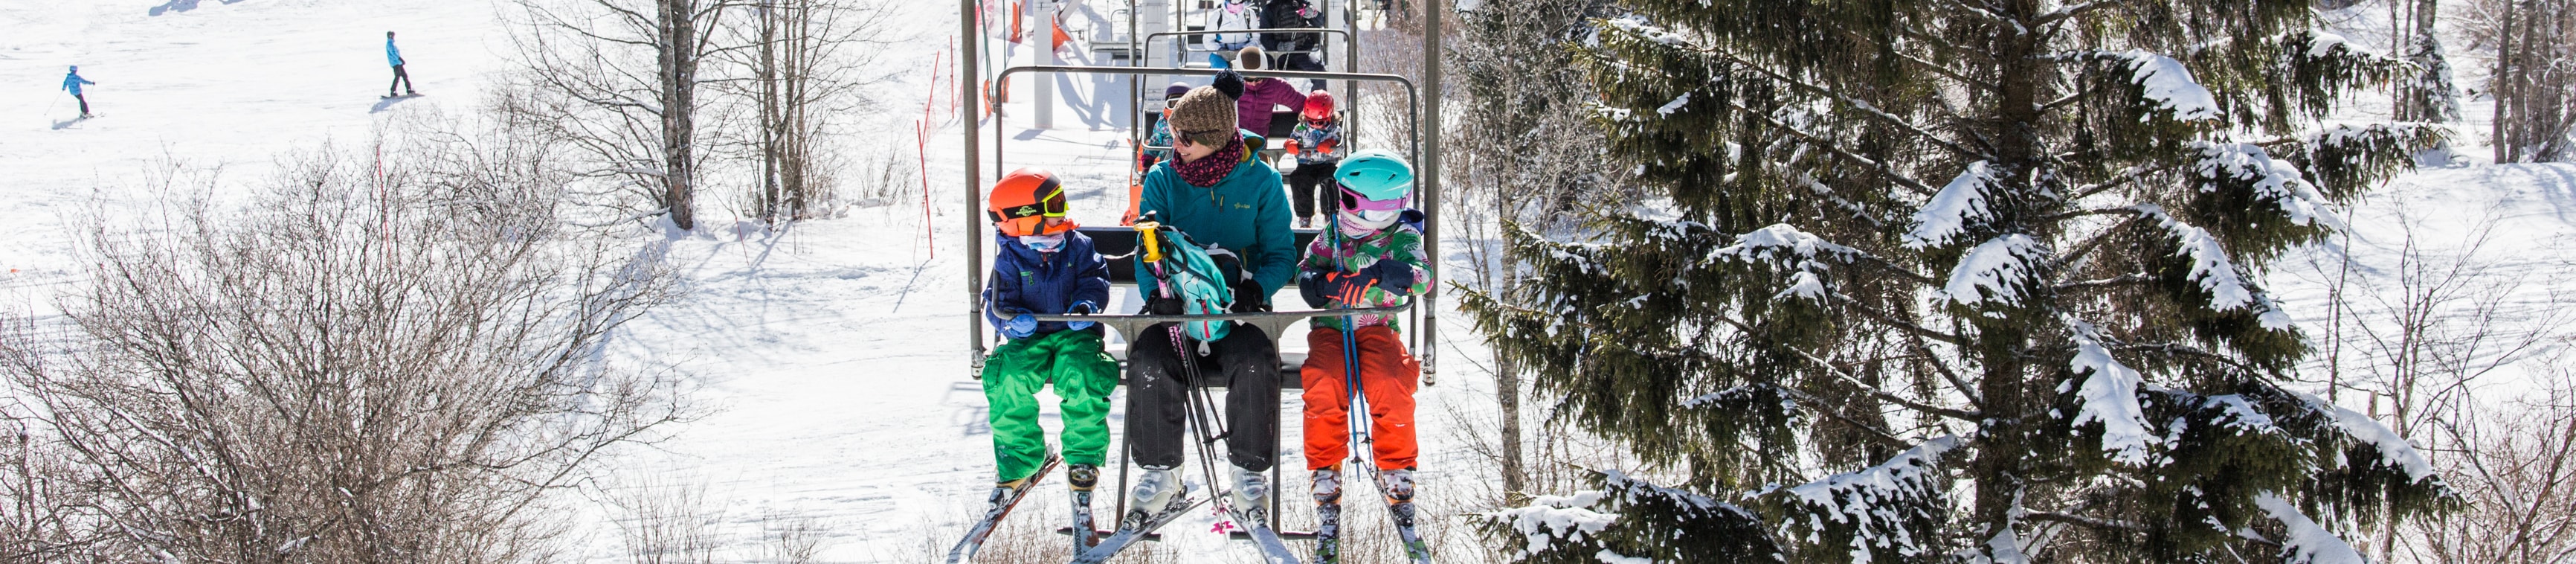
<point x="1422" y="115"/>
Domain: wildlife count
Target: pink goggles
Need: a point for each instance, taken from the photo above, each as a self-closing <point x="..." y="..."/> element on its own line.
<point x="1353" y="201"/>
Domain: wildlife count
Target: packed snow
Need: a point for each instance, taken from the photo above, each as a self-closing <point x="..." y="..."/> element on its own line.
<point x="1950" y="211"/>
<point x="2215" y="272"/>
<point x="2306" y="543"/>
<point x="2169" y="86"/>
<point x="1998" y="270"/>
<point x="2110" y="397"/>
<point x="2275" y="181"/>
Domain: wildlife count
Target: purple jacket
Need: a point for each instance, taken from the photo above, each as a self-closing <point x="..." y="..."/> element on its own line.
<point x="1252" y="111"/>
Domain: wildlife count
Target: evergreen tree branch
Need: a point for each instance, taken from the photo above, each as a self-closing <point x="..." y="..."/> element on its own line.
<point x="2083" y="521"/>
<point x="2072" y="12"/>
<point x="1813" y="403"/>
<point x="1848" y="378"/>
<point x="1864" y="106"/>
<point x="1882" y="317"/>
<point x="2124" y="178"/>
<point x="2188" y="351"/>
<point x="1835" y="149"/>
<point x="2130" y="279"/>
<point x="1924" y="350"/>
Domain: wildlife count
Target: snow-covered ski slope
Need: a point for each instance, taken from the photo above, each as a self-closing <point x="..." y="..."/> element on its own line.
<point x="831" y="355"/>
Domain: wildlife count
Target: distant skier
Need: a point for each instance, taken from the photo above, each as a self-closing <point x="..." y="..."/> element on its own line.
<point x="73" y="82"/>
<point x="394" y="57"/>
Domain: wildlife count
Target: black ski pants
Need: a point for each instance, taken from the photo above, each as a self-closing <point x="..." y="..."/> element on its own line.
<point x="84" y="100"/>
<point x="1314" y="190"/>
<point x="1158" y="395"/>
<point x="402" y="79"/>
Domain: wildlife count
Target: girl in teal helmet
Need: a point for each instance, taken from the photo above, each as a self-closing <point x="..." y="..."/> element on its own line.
<point x="1372" y="258"/>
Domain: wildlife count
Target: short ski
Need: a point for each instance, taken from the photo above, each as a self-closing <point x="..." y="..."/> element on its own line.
<point x="1273" y="550"/>
<point x="1129" y="533"/>
<point x="997" y="508"/>
<point x="1328" y="532"/>
<point x="1414" y="549"/>
<point x="411" y="95"/>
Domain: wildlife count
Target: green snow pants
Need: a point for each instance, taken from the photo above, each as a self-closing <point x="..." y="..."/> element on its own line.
<point x="1083" y="374"/>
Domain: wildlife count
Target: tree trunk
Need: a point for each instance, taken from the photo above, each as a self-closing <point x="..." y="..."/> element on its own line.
<point x="679" y="74"/>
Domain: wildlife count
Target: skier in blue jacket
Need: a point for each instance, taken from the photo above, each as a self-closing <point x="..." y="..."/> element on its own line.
<point x="393" y="57"/>
<point x="73" y="82"/>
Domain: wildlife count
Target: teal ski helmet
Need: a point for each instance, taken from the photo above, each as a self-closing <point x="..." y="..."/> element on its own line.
<point x="1375" y="174"/>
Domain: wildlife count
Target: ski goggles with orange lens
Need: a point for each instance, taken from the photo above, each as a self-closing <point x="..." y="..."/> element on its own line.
<point x="1030" y="219"/>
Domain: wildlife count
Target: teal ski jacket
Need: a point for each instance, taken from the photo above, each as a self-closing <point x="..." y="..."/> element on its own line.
<point x="1246" y="213"/>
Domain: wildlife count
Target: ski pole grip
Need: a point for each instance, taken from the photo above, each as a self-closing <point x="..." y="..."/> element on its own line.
<point x="1145" y="232"/>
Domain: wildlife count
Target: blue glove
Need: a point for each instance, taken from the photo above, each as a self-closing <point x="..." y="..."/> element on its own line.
<point x="1081" y="308"/>
<point x="1393" y="276"/>
<point x="1020" y="327"/>
<point x="1218" y="61"/>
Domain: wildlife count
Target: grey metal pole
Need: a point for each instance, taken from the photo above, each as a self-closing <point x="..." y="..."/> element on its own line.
<point x="969" y="78"/>
<point x="1433" y="10"/>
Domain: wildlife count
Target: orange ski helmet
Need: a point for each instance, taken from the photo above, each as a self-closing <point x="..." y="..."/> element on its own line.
<point x="1023" y="201"/>
<point x="1319" y="105"/>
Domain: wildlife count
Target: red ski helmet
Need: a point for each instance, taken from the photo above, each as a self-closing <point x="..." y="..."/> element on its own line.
<point x="1023" y="201"/>
<point x="1319" y="106"/>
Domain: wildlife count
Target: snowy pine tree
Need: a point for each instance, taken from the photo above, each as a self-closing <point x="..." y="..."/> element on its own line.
<point x="1967" y="281"/>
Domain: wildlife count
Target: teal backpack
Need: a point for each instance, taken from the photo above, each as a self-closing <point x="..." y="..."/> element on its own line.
<point x="1186" y="271"/>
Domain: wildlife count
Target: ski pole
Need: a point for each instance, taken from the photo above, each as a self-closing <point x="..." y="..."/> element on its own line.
<point x="1350" y="361"/>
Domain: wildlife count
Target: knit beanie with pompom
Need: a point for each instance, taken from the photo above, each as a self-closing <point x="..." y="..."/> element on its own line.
<point x="1208" y="108"/>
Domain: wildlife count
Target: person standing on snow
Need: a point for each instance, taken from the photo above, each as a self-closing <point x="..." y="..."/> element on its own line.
<point x="393" y="56"/>
<point x="73" y="81"/>
<point x="1044" y="267"/>
<point x="1217" y="193"/>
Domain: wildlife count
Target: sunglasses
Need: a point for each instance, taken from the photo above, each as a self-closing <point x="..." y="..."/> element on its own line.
<point x="1351" y="201"/>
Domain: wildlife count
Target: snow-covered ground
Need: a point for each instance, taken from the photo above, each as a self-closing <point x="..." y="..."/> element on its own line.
<point x="833" y="354"/>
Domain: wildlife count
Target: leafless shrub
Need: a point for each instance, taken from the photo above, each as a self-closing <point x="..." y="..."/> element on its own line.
<point x="360" y="365"/>
<point x="667" y="522"/>
<point x="2519" y="474"/>
<point x="788" y="538"/>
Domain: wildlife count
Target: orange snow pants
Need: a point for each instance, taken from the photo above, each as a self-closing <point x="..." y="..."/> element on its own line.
<point x="1388" y="377"/>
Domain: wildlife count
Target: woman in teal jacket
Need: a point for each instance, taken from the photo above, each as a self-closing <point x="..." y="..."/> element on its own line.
<point x="1218" y="193"/>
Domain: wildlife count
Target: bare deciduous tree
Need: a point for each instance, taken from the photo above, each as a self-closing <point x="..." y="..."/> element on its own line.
<point x="2535" y="61"/>
<point x="388" y="365"/>
<point x="808" y="64"/>
<point x="618" y="80"/>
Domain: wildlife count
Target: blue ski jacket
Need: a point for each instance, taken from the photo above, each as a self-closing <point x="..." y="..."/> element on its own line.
<point x="393" y="56"/>
<point x="1247" y="213"/>
<point x="1027" y="281"/>
<point x="73" y="82"/>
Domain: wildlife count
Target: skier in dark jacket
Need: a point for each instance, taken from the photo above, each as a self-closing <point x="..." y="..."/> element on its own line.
<point x="1293" y="51"/>
<point x="394" y="57"/>
<point x="72" y="81"/>
<point x="1045" y="267"/>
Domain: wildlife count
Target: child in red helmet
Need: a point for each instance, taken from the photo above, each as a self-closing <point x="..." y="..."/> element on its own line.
<point x="1317" y="142"/>
<point x="1043" y="267"/>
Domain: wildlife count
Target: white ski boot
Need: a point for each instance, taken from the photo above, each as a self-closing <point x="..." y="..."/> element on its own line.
<point x="1250" y="497"/>
<point x="1156" y="491"/>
